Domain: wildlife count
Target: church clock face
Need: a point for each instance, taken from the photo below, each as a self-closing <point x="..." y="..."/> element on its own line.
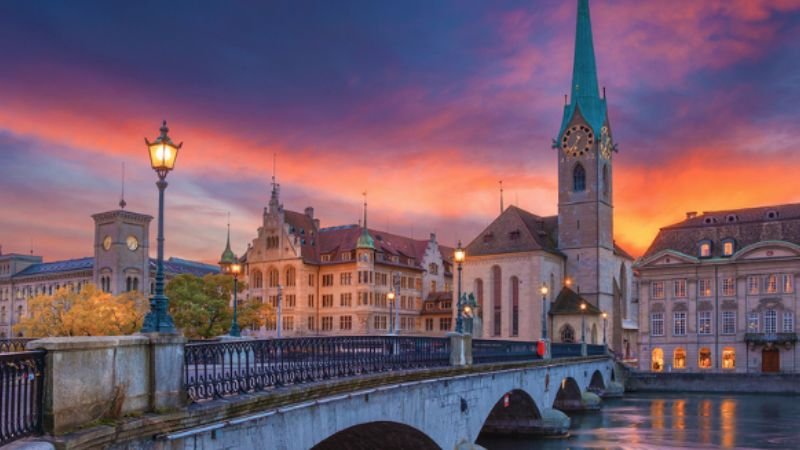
<point x="133" y="243"/>
<point x="605" y="143"/>
<point x="577" y="141"/>
<point x="107" y="243"/>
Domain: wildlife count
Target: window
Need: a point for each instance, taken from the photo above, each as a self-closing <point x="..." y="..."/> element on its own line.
<point x="770" y="321"/>
<point x="345" y="279"/>
<point x="327" y="323"/>
<point x="429" y="324"/>
<point x="679" y="358"/>
<point x="497" y="291"/>
<point x="290" y="276"/>
<point x="346" y="299"/>
<point x="327" y="301"/>
<point x="258" y="279"/>
<point x="311" y="324"/>
<point x="579" y="179"/>
<point x="753" y="285"/>
<point x="291" y="301"/>
<point x="788" y="322"/>
<point x="346" y="322"/>
<point x="704" y="358"/>
<point x="514" y="306"/>
<point x="273" y="278"/>
<point x="772" y="284"/>
<point x="728" y="287"/>
<point x="679" y="288"/>
<point x="380" y="323"/>
<point x="445" y="323"/>
<point x="310" y="300"/>
<point x="325" y="258"/>
<point x="657" y="289"/>
<point x="657" y="324"/>
<point x="704" y="322"/>
<point x="728" y="322"/>
<point x="728" y="358"/>
<point x="727" y="247"/>
<point x="433" y="269"/>
<point x="704" y="287"/>
<point x="327" y="279"/>
<point x="657" y="360"/>
<point x="752" y="323"/>
<point x="288" y="323"/>
<point x="788" y="286"/>
<point x="705" y="249"/>
<point x="567" y="334"/>
<point x="679" y="324"/>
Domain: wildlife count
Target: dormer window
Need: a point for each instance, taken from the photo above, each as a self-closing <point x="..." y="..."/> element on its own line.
<point x="730" y="218"/>
<point x="728" y="247"/>
<point x="488" y="237"/>
<point x="709" y="220"/>
<point x="704" y="249"/>
<point x="772" y="215"/>
<point x="325" y="258"/>
<point x="345" y="256"/>
<point x="514" y="235"/>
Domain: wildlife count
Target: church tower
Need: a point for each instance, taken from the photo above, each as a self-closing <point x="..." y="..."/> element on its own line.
<point x="585" y="206"/>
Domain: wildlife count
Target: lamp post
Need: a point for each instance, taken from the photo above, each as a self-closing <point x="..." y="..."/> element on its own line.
<point x="459" y="256"/>
<point x="396" y="306"/>
<point x="583" y="323"/>
<point x="605" y="323"/>
<point x="163" y="153"/>
<point x="544" y="291"/>
<point x="229" y="264"/>
<point x="280" y="295"/>
<point x="391" y="297"/>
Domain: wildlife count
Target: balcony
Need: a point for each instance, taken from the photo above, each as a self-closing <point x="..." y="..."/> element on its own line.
<point x="770" y="338"/>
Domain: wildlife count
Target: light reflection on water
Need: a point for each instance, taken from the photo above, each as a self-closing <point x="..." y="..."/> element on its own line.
<point x="679" y="421"/>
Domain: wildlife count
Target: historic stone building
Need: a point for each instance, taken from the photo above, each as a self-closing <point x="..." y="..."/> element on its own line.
<point x="510" y="261"/>
<point x="336" y="280"/>
<point x="718" y="293"/>
<point x="121" y="263"/>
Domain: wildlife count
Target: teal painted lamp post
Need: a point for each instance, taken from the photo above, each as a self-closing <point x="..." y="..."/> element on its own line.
<point x="163" y="153"/>
<point x="459" y="255"/>
<point x="229" y="264"/>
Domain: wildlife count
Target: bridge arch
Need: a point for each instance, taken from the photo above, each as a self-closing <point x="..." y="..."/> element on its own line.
<point x="384" y="435"/>
<point x="568" y="398"/>
<point x="515" y="410"/>
<point x="597" y="384"/>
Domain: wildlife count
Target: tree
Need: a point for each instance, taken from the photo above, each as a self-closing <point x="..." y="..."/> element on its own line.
<point x="90" y="312"/>
<point x="254" y="314"/>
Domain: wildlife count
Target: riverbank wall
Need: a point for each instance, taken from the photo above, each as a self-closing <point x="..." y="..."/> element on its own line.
<point x="740" y="383"/>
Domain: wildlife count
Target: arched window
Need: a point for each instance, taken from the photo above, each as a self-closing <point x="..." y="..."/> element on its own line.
<point x="579" y="178"/>
<point x="497" y="295"/>
<point x="258" y="279"/>
<point x="273" y="277"/>
<point x="728" y="358"/>
<point x="657" y="360"/>
<point x="290" y="276"/>
<point x="433" y="269"/>
<point x="704" y="358"/>
<point x="567" y="334"/>
<point x="605" y="180"/>
<point x="479" y="296"/>
<point x="679" y="358"/>
<point x="514" y="306"/>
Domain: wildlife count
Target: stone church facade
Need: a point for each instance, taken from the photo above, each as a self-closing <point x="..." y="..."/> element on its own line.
<point x="571" y="253"/>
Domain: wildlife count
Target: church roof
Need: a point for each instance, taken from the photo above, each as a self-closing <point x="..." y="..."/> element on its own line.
<point x="68" y="265"/>
<point x="516" y="230"/>
<point x="568" y="302"/>
<point x="745" y="226"/>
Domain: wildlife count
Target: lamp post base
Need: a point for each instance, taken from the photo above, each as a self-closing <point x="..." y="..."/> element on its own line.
<point x="158" y="319"/>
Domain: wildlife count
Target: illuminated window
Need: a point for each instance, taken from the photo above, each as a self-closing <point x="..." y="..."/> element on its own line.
<point x="705" y="249"/>
<point x="704" y="322"/>
<point x="704" y="287"/>
<point x="727" y="247"/>
<point x="753" y="285"/>
<point x="788" y="285"/>
<point x="728" y="287"/>
<point x="728" y="358"/>
<point x="772" y="284"/>
<point x="704" y="358"/>
<point x="752" y="323"/>
<point x="657" y="289"/>
<point x="679" y="288"/>
<point x="657" y="360"/>
<point x="679" y="359"/>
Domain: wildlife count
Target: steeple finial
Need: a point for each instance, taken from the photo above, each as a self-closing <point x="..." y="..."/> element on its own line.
<point x="584" y="68"/>
<point x="365" y="208"/>
<point x="365" y="240"/>
<point x="501" y="197"/>
<point x="122" y="194"/>
<point x="274" y="201"/>
<point x="228" y="257"/>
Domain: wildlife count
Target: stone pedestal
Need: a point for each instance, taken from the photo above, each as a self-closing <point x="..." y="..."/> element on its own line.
<point x="167" y="390"/>
<point x="584" y="351"/>
<point x="460" y="349"/>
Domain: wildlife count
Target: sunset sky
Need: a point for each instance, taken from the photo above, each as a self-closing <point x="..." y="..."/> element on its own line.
<point x="424" y="104"/>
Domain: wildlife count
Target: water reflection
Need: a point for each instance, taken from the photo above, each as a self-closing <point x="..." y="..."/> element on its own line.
<point x="686" y="421"/>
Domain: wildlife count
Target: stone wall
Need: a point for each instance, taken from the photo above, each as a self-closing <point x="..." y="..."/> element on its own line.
<point x="713" y="382"/>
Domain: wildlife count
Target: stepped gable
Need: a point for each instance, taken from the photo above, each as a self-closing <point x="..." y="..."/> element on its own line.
<point x="746" y="226"/>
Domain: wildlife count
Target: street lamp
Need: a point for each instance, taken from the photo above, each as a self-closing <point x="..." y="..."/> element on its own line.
<point x="278" y="325"/>
<point x="605" y="323"/>
<point x="459" y="257"/>
<point x="583" y="323"/>
<point x="396" y="306"/>
<point x="229" y="264"/>
<point x="163" y="153"/>
<point x="544" y="292"/>
<point x="390" y="296"/>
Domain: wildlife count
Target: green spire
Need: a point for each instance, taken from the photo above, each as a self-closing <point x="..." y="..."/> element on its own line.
<point x="365" y="240"/>
<point x="228" y="257"/>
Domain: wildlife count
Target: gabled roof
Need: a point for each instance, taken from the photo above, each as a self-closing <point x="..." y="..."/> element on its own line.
<point x="569" y="302"/>
<point x="177" y="266"/>
<point x="745" y="226"/>
<point x="69" y="265"/>
<point x="516" y="230"/>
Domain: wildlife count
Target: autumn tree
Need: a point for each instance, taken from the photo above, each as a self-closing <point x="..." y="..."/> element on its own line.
<point x="90" y="312"/>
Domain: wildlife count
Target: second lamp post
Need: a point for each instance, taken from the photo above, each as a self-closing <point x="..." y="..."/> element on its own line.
<point x="459" y="255"/>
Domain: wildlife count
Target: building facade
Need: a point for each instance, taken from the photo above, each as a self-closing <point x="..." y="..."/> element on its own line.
<point x="520" y="252"/>
<point x="718" y="293"/>
<point x="337" y="280"/>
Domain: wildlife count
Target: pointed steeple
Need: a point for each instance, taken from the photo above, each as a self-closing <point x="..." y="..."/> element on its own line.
<point x="274" y="200"/>
<point x="228" y="257"/>
<point x="365" y="240"/>
<point x="585" y="94"/>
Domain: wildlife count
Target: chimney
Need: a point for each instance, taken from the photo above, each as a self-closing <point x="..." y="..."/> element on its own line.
<point x="316" y="224"/>
<point x="691" y="214"/>
<point x="310" y="212"/>
<point x="433" y="237"/>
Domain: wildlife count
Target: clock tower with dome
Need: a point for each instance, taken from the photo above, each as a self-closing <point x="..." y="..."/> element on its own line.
<point x="585" y="194"/>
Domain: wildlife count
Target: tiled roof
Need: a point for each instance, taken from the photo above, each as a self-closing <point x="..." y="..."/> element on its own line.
<point x="69" y="265"/>
<point x="177" y="266"/>
<point x="619" y="251"/>
<point x="516" y="230"/>
<point x="569" y="302"/>
<point x="746" y="226"/>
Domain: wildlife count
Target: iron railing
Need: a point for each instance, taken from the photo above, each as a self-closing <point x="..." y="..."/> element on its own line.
<point x="564" y="350"/>
<point x="21" y="394"/>
<point x="490" y="350"/>
<point x="595" y="350"/>
<point x="219" y="369"/>
<point x="10" y="345"/>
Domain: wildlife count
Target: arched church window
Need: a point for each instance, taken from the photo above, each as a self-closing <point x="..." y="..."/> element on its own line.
<point x="514" y="306"/>
<point x="567" y="334"/>
<point x="273" y="277"/>
<point x="579" y="179"/>
<point x="479" y="296"/>
<point x="290" y="276"/>
<point x="497" y="306"/>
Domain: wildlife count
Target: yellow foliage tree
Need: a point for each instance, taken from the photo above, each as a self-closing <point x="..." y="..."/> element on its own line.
<point x="90" y="312"/>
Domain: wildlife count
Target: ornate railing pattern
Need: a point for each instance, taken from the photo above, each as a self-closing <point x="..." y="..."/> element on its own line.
<point x="21" y="394"/>
<point x="490" y="350"/>
<point x="559" y="350"/>
<point x="10" y="345"/>
<point x="219" y="369"/>
<point x="595" y="350"/>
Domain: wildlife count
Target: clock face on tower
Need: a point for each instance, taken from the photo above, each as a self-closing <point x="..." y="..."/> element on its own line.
<point x="133" y="243"/>
<point x="107" y="242"/>
<point x="577" y="140"/>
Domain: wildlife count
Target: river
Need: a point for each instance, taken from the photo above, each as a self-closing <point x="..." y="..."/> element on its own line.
<point x="678" y="421"/>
